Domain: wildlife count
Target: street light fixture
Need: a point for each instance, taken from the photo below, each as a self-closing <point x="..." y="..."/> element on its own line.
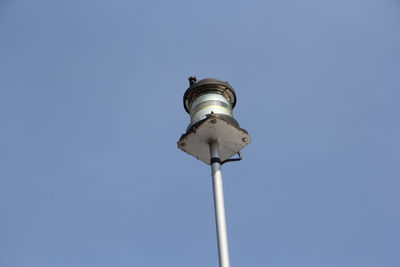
<point x="213" y="136"/>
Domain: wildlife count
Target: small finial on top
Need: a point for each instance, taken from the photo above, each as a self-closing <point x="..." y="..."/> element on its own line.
<point x="192" y="80"/>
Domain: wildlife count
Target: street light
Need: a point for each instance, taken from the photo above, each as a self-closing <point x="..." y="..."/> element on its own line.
<point x="213" y="136"/>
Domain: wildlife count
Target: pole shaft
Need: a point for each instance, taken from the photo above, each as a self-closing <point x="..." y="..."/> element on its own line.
<point x="219" y="206"/>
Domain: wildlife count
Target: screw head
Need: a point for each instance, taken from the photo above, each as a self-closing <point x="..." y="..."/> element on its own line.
<point x="213" y="121"/>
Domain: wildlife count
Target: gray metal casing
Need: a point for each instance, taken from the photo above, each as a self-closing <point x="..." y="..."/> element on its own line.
<point x="230" y="137"/>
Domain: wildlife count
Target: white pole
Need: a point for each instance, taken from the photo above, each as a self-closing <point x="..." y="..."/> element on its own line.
<point x="219" y="205"/>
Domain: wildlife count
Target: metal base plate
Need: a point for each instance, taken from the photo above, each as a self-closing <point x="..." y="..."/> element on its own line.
<point x="231" y="139"/>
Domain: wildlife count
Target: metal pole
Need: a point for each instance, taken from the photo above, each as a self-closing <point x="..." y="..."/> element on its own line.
<point x="219" y="205"/>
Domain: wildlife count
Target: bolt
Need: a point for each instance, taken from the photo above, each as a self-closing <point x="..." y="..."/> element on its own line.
<point x="213" y="121"/>
<point x="245" y="139"/>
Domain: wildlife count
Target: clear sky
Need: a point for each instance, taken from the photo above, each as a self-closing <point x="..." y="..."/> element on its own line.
<point x="91" y="110"/>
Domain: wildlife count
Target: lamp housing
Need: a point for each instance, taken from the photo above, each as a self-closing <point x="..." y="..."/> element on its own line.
<point x="209" y="96"/>
<point x="210" y="104"/>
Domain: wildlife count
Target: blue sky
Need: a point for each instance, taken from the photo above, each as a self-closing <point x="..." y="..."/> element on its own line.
<point x="91" y="109"/>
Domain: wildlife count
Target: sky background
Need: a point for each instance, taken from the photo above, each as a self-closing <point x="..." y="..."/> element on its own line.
<point x="91" y="110"/>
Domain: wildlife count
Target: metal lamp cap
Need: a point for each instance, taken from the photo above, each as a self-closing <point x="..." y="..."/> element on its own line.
<point x="198" y="88"/>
